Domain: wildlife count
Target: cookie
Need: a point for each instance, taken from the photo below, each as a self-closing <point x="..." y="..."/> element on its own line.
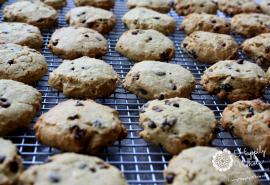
<point x="70" y="168"/>
<point x="84" y="42"/>
<point x="177" y="124"/>
<point x="18" y="105"/>
<point x="56" y="4"/>
<point x="251" y="24"/>
<point x="104" y="4"/>
<point x="159" y="80"/>
<point x="258" y="48"/>
<point x="250" y="121"/>
<point x="268" y="74"/>
<point x="163" y="6"/>
<point x="84" y="78"/>
<point x="185" y="7"/>
<point x="21" y="63"/>
<point x="265" y="6"/>
<point x="10" y="163"/>
<point x="205" y="22"/>
<point x="35" y="13"/>
<point x="143" y="18"/>
<point x="233" y="7"/>
<point x="195" y="166"/>
<point x="20" y="33"/>
<point x="80" y="126"/>
<point x="139" y="45"/>
<point x="235" y="80"/>
<point x="209" y="47"/>
<point x="97" y="19"/>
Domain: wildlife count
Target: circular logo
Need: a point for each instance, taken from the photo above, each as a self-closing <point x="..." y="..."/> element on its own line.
<point x="222" y="160"/>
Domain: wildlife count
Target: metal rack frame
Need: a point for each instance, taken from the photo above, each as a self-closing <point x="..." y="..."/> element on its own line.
<point x="141" y="162"/>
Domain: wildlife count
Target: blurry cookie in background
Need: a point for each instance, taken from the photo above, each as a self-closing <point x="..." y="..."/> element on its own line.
<point x="36" y="13"/>
<point x="185" y="7"/>
<point x="104" y="4"/>
<point x="265" y="6"/>
<point x="250" y="24"/>
<point x="20" y="33"/>
<point x="205" y="22"/>
<point x="233" y="7"/>
<point x="97" y="19"/>
<point x="143" y="18"/>
<point x="162" y="6"/>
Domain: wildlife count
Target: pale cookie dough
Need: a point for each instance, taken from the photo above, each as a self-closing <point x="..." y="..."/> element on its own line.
<point x="163" y="6"/>
<point x="104" y="4"/>
<point x="232" y="7"/>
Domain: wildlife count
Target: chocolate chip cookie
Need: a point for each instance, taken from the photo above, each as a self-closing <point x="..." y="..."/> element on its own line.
<point x="70" y="168"/>
<point x="204" y="22"/>
<point x="185" y="7"/>
<point x="97" y="19"/>
<point x="20" y="33"/>
<point x="195" y="165"/>
<point x="177" y="124"/>
<point x="251" y="24"/>
<point x="258" y="48"/>
<point x="104" y="4"/>
<point x="249" y="120"/>
<point x="18" y="105"/>
<point x="139" y="45"/>
<point x="57" y="4"/>
<point x="10" y="163"/>
<point x="265" y="6"/>
<point x="143" y="18"/>
<point x="84" y="78"/>
<point x="36" y="13"/>
<point x="80" y="126"/>
<point x="235" y="80"/>
<point x="21" y="63"/>
<point x="84" y="42"/>
<point x="163" y="6"/>
<point x="159" y="80"/>
<point x="232" y="7"/>
<point x="209" y="47"/>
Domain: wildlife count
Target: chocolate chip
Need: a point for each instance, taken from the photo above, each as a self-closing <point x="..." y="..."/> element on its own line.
<point x="78" y="132"/>
<point x="201" y="5"/>
<point x="216" y="28"/>
<point x="151" y="124"/>
<point x="92" y="170"/>
<point x="213" y="21"/>
<point x="176" y="105"/>
<point x="240" y="61"/>
<point x="102" y="165"/>
<point x="85" y="35"/>
<point x="82" y="13"/>
<point x="226" y="87"/>
<point x="193" y="54"/>
<point x="165" y="55"/>
<point x="4" y="104"/>
<point x="78" y="104"/>
<point x="161" y="97"/>
<point x="135" y="32"/>
<point x="174" y="87"/>
<point x="5" y="32"/>
<point x="54" y="178"/>
<point x="2" y="158"/>
<point x="82" y="166"/>
<point x="136" y="76"/>
<point x="149" y="39"/>
<point x="166" y="124"/>
<point x="55" y="42"/>
<point x="169" y="178"/>
<point x="99" y="39"/>
<point x="185" y="45"/>
<point x="156" y="18"/>
<point x="72" y="69"/>
<point x="97" y="124"/>
<point x="160" y="73"/>
<point x="157" y="109"/>
<point x="76" y="116"/>
<point x="83" y="21"/>
<point x="267" y="49"/>
<point x="10" y="62"/>
<point x="142" y="91"/>
<point x="13" y="166"/>
<point x="250" y="112"/>
<point x="223" y="45"/>
<point x="3" y="99"/>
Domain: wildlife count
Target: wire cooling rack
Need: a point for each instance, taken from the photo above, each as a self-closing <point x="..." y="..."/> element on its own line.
<point x="141" y="162"/>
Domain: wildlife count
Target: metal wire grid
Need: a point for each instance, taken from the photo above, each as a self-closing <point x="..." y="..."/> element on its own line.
<point x="141" y="162"/>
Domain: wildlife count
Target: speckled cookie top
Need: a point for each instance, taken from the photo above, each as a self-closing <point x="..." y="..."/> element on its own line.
<point x="163" y="6"/>
<point x="185" y="7"/>
<point x="72" y="168"/>
<point x="265" y="6"/>
<point x="10" y="163"/>
<point x="91" y="17"/>
<point x="194" y="166"/>
<point x="233" y="7"/>
<point x="139" y="45"/>
<point x="143" y="18"/>
<point x="20" y="63"/>
<point x="153" y="79"/>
